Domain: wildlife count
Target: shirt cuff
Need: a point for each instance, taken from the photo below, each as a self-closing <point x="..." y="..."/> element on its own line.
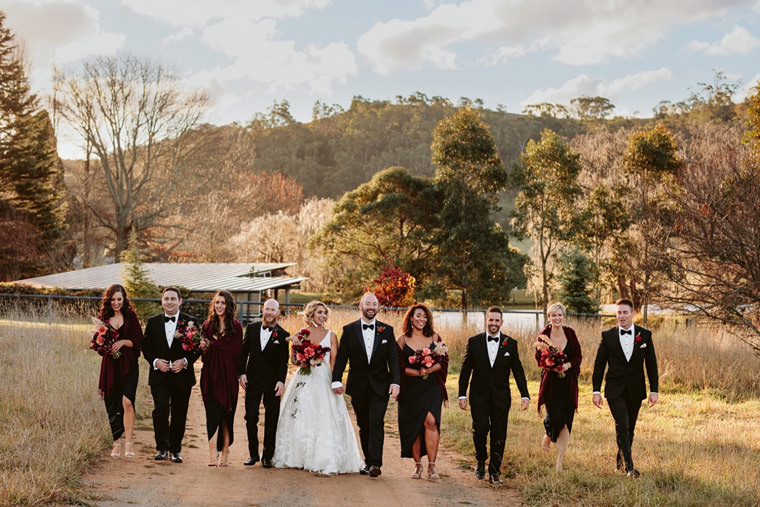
<point x="186" y="362"/>
<point x="463" y="397"/>
<point x="154" y="363"/>
<point x="336" y="385"/>
<point x="396" y="385"/>
<point x="597" y="392"/>
<point x="655" y="392"/>
<point x="525" y="398"/>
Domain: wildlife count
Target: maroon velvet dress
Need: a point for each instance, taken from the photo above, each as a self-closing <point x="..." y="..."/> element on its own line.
<point x="118" y="377"/>
<point x="560" y="394"/>
<point x="219" y="379"/>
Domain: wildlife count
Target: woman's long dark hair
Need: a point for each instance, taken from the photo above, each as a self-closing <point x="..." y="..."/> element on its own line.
<point x="407" y="324"/>
<point x="106" y="312"/>
<point x="229" y="313"/>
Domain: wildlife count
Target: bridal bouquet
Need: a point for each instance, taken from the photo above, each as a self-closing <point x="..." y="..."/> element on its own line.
<point x="429" y="356"/>
<point x="307" y="354"/>
<point x="103" y="338"/>
<point x="190" y="336"/>
<point x="551" y="357"/>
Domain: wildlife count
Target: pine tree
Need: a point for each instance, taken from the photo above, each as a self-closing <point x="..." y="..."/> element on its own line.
<point x="576" y="271"/>
<point x="137" y="281"/>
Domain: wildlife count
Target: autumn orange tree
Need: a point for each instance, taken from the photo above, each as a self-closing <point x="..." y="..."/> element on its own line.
<point x="393" y="287"/>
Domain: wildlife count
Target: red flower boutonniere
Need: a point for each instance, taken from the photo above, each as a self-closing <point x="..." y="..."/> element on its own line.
<point x="504" y="342"/>
<point x="638" y="338"/>
<point x="274" y="333"/>
<point x="380" y="329"/>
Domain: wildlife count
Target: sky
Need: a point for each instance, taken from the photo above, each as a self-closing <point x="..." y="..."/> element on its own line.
<point x="509" y="53"/>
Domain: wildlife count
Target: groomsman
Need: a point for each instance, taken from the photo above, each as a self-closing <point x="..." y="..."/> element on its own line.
<point x="263" y="368"/>
<point x="625" y="349"/>
<point x="489" y="358"/>
<point x="370" y="346"/>
<point x="171" y="376"/>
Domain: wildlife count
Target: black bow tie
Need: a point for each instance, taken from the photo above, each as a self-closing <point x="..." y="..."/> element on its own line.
<point x="265" y="328"/>
<point x="167" y="318"/>
<point x="493" y="338"/>
<point x="623" y="331"/>
<point x="368" y="326"/>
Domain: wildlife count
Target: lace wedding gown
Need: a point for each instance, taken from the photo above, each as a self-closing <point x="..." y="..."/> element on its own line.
<point x="314" y="431"/>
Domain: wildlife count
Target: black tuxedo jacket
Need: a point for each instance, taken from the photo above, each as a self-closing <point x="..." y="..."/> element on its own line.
<point x="491" y="383"/>
<point x="367" y="375"/>
<point x="625" y="378"/>
<point x="154" y="346"/>
<point x="264" y="368"/>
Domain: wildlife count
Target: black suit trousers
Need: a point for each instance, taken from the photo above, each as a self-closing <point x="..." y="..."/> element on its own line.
<point x="489" y="418"/>
<point x="170" y="398"/>
<point x="253" y="396"/>
<point x="625" y="411"/>
<point x="370" y="417"/>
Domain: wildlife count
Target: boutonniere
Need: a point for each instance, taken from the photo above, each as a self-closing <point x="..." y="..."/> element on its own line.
<point x="638" y="338"/>
<point x="380" y="329"/>
<point x="274" y="333"/>
<point x="504" y="342"/>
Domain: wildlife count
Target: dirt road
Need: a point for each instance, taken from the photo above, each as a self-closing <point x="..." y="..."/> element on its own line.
<point x="143" y="481"/>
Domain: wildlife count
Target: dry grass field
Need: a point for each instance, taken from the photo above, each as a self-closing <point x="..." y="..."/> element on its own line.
<point x="698" y="446"/>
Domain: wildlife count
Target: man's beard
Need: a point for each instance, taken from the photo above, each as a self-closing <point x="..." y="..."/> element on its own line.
<point x="369" y="317"/>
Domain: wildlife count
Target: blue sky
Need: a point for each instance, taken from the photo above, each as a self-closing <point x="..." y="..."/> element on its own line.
<point x="249" y="53"/>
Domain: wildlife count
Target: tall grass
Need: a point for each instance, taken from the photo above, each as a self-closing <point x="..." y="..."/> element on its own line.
<point x="52" y="422"/>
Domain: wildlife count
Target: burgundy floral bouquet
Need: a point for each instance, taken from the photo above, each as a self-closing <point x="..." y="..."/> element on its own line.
<point x="103" y="338"/>
<point x="190" y="336"/>
<point x="429" y="356"/>
<point x="307" y="354"/>
<point x="551" y="357"/>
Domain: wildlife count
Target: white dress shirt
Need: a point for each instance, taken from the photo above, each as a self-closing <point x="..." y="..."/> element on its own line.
<point x="493" y="347"/>
<point x="264" y="336"/>
<point x="369" y="336"/>
<point x="626" y="341"/>
<point x="170" y="327"/>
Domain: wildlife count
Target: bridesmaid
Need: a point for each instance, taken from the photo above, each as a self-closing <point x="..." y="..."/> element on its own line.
<point x="221" y="346"/>
<point x="559" y="393"/>
<point x="423" y="390"/>
<point x="118" y="377"/>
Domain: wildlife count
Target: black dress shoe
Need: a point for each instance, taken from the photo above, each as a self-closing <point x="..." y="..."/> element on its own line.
<point x="495" y="479"/>
<point x="160" y="456"/>
<point x="480" y="470"/>
<point x="176" y="457"/>
<point x="266" y="462"/>
<point x="374" y="471"/>
<point x="633" y="473"/>
<point x="251" y="461"/>
<point x="364" y="471"/>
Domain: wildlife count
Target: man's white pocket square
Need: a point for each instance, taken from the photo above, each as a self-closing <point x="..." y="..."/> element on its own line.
<point x="643" y="345"/>
<point x="506" y="354"/>
<point x="384" y="342"/>
<point x="276" y="342"/>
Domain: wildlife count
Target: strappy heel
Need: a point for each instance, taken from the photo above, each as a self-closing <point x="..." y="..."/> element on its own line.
<point x="432" y="474"/>
<point x="116" y="450"/>
<point x="129" y="451"/>
<point x="417" y="470"/>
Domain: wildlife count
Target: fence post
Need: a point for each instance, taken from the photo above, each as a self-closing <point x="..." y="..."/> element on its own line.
<point x="49" y="310"/>
<point x="538" y="326"/>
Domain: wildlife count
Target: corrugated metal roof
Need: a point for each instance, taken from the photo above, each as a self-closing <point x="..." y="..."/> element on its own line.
<point x="208" y="277"/>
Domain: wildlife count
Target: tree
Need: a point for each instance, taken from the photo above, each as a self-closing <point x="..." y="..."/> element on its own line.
<point x="591" y="108"/>
<point x="393" y="287"/>
<point x="472" y="252"/>
<point x="136" y="118"/>
<point x="545" y="207"/>
<point x="651" y="163"/>
<point x="137" y="281"/>
<point x="713" y="255"/>
<point x="31" y="174"/>
<point x="387" y="220"/>
<point x="576" y="270"/>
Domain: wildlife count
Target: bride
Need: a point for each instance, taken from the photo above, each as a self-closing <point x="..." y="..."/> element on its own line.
<point x="314" y="431"/>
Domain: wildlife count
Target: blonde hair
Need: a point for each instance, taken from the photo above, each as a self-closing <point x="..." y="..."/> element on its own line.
<point x="311" y="307"/>
<point x="554" y="307"/>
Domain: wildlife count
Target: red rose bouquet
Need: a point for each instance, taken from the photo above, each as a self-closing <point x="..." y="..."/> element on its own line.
<point x="307" y="354"/>
<point x="551" y="357"/>
<point x="428" y="356"/>
<point x="190" y="336"/>
<point x="103" y="338"/>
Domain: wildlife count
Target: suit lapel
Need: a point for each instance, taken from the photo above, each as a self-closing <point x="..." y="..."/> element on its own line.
<point x="615" y="339"/>
<point x="360" y="337"/>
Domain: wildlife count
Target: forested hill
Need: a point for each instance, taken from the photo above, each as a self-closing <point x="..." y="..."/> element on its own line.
<point x="340" y="150"/>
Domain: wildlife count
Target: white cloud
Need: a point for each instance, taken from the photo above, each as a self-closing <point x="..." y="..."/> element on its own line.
<point x="184" y="33"/>
<point x="581" y="32"/>
<point x="737" y="41"/>
<point x="583" y="85"/>
<point x="748" y="89"/>
<point x="256" y="55"/>
<point x="198" y="13"/>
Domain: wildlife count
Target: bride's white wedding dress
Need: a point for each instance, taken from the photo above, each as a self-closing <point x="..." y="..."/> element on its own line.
<point x="314" y="431"/>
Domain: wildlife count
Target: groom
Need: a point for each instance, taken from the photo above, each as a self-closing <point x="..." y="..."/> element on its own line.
<point x="370" y="346"/>
<point x="171" y="376"/>
<point x="625" y="349"/>
<point x="263" y="367"/>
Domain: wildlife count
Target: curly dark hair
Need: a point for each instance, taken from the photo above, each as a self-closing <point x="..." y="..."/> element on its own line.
<point x="106" y="312"/>
<point x="406" y="326"/>
<point x="229" y="314"/>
